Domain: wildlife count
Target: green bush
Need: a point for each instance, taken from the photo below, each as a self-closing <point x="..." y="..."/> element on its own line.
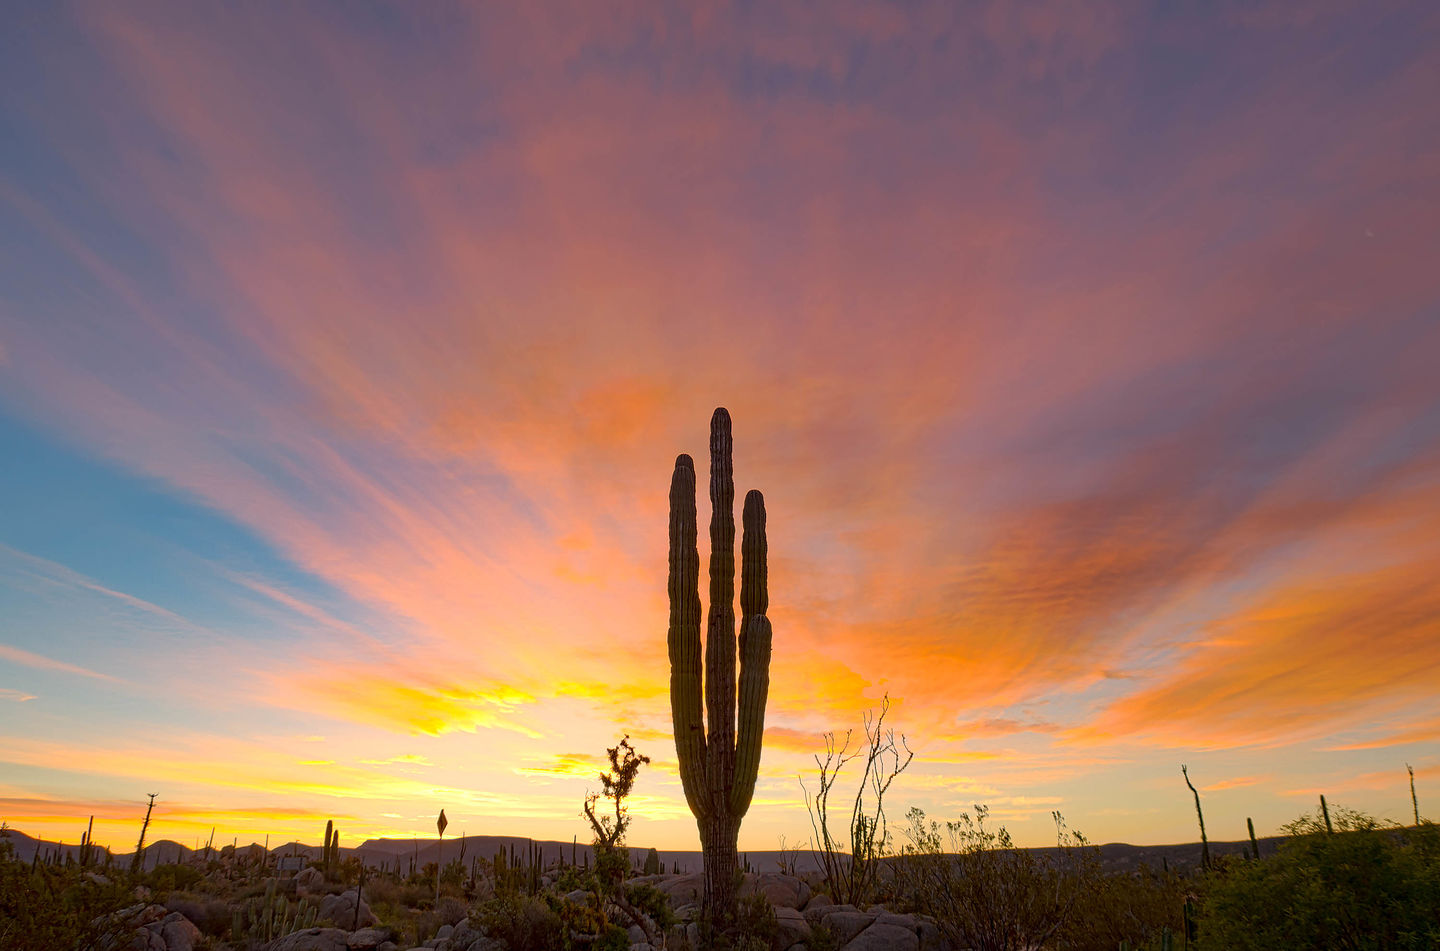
<point x="53" y="907"/>
<point x="1363" y="888"/>
<point x="523" y="922"/>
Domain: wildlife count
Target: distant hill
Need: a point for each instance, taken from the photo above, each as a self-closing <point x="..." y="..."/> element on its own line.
<point x="399" y="853"/>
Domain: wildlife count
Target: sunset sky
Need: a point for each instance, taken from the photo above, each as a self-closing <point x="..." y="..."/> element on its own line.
<point x="1088" y="356"/>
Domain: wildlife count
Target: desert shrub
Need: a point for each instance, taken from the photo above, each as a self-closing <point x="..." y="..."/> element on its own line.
<point x="851" y="876"/>
<point x="451" y="910"/>
<point x="172" y="878"/>
<point x="211" y="915"/>
<point x="1134" y="908"/>
<point x="53" y="907"/>
<point x="822" y="938"/>
<point x="752" y="928"/>
<point x="1363" y="888"/>
<point x="987" y="894"/>
<point x="523" y="922"/>
<point x="382" y="890"/>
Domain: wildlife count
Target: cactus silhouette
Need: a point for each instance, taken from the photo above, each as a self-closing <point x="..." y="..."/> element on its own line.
<point x="718" y="765"/>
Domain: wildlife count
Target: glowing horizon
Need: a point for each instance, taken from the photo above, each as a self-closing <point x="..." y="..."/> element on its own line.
<point x="1085" y="357"/>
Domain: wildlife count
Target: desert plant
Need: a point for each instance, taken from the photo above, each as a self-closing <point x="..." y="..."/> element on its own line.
<point x="607" y="881"/>
<point x="718" y="767"/>
<point x="652" y="863"/>
<point x="850" y="877"/>
<point x="46" y="907"/>
<point x="1138" y="910"/>
<point x="1204" y="842"/>
<point x="987" y="894"/>
<point x="138" y="859"/>
<point x="271" y="916"/>
<point x="1358" y="886"/>
<point x="521" y="921"/>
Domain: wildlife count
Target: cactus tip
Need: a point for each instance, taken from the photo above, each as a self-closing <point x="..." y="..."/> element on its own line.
<point x="683" y="461"/>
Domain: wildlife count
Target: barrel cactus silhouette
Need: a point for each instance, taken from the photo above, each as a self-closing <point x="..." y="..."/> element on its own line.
<point x="719" y="759"/>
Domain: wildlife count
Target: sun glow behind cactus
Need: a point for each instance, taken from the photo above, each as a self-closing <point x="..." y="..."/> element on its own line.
<point x="1094" y="407"/>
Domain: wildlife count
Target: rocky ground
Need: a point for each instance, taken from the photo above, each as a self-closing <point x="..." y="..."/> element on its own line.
<point x="344" y="921"/>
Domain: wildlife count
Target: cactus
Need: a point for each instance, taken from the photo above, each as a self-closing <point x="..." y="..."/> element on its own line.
<point x="267" y="918"/>
<point x="1325" y="811"/>
<point x="329" y="833"/>
<point x="1254" y="845"/>
<point x="1204" y="842"/>
<point x="718" y="766"/>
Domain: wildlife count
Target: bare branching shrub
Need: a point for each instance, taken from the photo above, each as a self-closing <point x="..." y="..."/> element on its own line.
<point x="985" y="893"/>
<point x="850" y="877"/>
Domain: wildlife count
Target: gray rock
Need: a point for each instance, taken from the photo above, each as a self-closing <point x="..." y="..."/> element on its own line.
<point x="818" y="900"/>
<point x="312" y="939"/>
<point x="368" y="939"/>
<point x="815" y="910"/>
<point x="880" y="937"/>
<point x="309" y="879"/>
<point x="683" y="889"/>
<point x="578" y="897"/>
<point x="340" y="910"/>
<point x="486" y="944"/>
<point x="847" y="924"/>
<point x="792" y="928"/>
<point x="445" y="931"/>
<point x="782" y="891"/>
<point x="908" y="922"/>
<point x="179" y="932"/>
<point x="636" y="935"/>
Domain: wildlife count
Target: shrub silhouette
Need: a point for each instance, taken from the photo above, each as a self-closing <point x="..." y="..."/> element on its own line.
<point x="1364" y="887"/>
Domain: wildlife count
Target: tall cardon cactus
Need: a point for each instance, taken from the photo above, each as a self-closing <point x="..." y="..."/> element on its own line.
<point x="718" y="765"/>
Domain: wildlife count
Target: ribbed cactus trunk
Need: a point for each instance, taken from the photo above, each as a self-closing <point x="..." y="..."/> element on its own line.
<point x="718" y="766"/>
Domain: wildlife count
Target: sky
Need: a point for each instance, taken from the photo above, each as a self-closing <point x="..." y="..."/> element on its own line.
<point x="1086" y="355"/>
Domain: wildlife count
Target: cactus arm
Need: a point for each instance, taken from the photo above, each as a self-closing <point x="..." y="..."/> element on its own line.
<point x="754" y="552"/>
<point x="754" y="686"/>
<point x="684" y="637"/>
<point x="720" y="629"/>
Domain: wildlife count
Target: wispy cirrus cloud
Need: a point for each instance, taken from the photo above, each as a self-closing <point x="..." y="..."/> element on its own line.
<point x="1092" y="423"/>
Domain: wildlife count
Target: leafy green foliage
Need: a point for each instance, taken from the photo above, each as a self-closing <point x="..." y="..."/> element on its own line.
<point x="1363" y="887"/>
<point x="523" y="922"/>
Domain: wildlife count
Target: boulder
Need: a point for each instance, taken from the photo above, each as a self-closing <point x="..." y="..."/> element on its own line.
<point x="309" y="879"/>
<point x="782" y="891"/>
<point x="880" y="937"/>
<point x="179" y="932"/>
<point x="340" y="910"/>
<point x="816" y="910"/>
<point x="683" y="889"/>
<point x="312" y="939"/>
<point x="845" y="925"/>
<point x="792" y="928"/>
<point x="367" y="939"/>
<point x="818" y="900"/>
